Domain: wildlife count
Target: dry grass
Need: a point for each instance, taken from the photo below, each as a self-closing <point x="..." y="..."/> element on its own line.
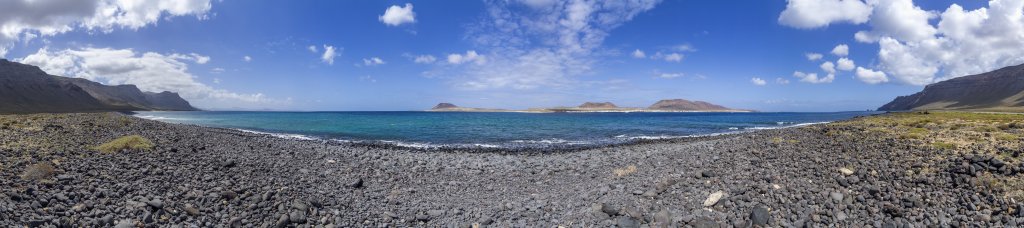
<point x="39" y="171"/>
<point x="133" y="142"/>
<point x="624" y="171"/>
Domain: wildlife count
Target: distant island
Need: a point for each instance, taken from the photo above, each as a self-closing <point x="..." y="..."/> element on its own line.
<point x="669" y="105"/>
<point x="1000" y="90"/>
<point x="27" y="89"/>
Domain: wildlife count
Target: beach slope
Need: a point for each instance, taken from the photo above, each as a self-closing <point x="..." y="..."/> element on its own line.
<point x="889" y="170"/>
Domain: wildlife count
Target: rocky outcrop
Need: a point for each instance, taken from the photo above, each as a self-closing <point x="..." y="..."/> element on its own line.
<point x="686" y="105"/>
<point x="27" y="89"/>
<point x="1002" y="89"/>
<point x="598" y="105"/>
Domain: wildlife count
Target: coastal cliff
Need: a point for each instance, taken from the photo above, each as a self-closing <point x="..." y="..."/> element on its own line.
<point x="999" y="90"/>
<point x="27" y="89"/>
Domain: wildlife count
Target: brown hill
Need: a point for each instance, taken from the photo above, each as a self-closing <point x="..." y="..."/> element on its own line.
<point x="686" y="105"/>
<point x="596" y="105"/>
<point x="444" y="106"/>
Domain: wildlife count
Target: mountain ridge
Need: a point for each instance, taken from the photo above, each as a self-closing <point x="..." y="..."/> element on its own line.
<point x="997" y="90"/>
<point x="28" y="89"/>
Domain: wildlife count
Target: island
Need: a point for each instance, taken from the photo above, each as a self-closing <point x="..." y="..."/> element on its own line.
<point x="668" y="105"/>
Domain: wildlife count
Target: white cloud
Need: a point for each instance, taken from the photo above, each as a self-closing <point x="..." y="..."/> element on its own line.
<point x="781" y="81"/>
<point x="844" y="64"/>
<point x="813" y="78"/>
<point x="531" y="45"/>
<point x="470" y="56"/>
<point x="920" y="47"/>
<point x="813" y="56"/>
<point x="670" y="75"/>
<point x="197" y="58"/>
<point x="425" y="59"/>
<point x="899" y="19"/>
<point x="373" y="61"/>
<point x="247" y="58"/>
<point x="329" y="54"/>
<point x="28" y="19"/>
<point x="674" y="57"/>
<point x="152" y="72"/>
<point x="639" y="54"/>
<point x="965" y="43"/>
<point x="313" y="49"/>
<point x="870" y="76"/>
<point x="808" y="14"/>
<point x="841" y="50"/>
<point x="216" y="80"/>
<point x="828" y="67"/>
<point x="684" y="48"/>
<point x="217" y="70"/>
<point x="758" y="81"/>
<point x="398" y="15"/>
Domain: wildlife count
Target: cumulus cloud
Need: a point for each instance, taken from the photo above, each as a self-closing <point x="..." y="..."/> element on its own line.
<point x="247" y="58"/>
<point x="965" y="43"/>
<point x="152" y="72"/>
<point x="899" y="19"/>
<point x="470" y="56"/>
<point x="813" y="77"/>
<point x="373" y="61"/>
<point x="329" y="53"/>
<point x="313" y="49"/>
<point x="28" y="19"/>
<point x="870" y="76"/>
<point x="639" y="54"/>
<point x="542" y="44"/>
<point x="758" y="81"/>
<point x="828" y="67"/>
<point x="919" y="47"/>
<point x="841" y="50"/>
<point x="425" y="59"/>
<point x="814" y="56"/>
<point x="398" y="15"/>
<point x="844" y="64"/>
<point x="807" y="14"/>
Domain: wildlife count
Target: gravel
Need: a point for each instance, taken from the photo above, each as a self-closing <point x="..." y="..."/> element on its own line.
<point x="199" y="176"/>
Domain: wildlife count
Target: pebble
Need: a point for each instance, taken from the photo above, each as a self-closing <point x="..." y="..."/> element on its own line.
<point x="714" y="198"/>
<point x="846" y="171"/>
<point x="759" y="217"/>
<point x="837" y="197"/>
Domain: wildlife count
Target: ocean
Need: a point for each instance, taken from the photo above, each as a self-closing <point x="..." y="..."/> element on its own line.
<point x="494" y="129"/>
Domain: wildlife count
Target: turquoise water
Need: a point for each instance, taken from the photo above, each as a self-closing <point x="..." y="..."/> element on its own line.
<point x="473" y="129"/>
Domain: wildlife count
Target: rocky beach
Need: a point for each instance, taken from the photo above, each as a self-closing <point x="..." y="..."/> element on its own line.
<point x="891" y="170"/>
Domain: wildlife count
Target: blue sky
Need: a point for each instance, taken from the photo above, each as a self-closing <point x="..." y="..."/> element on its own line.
<point x="531" y="53"/>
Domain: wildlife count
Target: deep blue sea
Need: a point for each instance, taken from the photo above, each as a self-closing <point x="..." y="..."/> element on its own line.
<point x="478" y="129"/>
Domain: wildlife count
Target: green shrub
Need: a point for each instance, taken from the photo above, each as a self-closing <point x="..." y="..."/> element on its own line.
<point x="133" y="142"/>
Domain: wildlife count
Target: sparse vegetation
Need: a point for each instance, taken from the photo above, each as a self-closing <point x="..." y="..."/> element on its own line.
<point x="944" y="145"/>
<point x="625" y="171"/>
<point x="39" y="171"/>
<point x="133" y="142"/>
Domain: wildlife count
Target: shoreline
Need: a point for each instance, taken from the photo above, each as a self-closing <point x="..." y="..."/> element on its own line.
<point x="200" y="176"/>
<point x="512" y="146"/>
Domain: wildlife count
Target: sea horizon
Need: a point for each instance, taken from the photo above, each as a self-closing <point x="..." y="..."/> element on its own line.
<point x="425" y="129"/>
